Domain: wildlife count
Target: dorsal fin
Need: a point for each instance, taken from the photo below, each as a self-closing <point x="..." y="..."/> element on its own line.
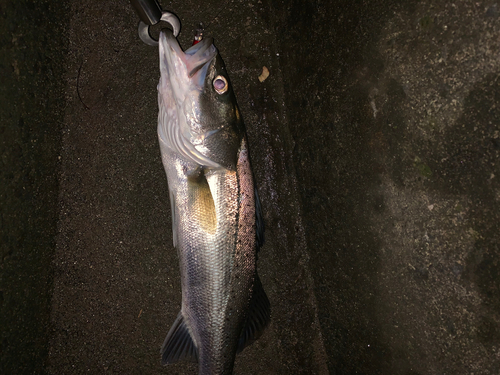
<point x="259" y="221"/>
<point x="259" y="315"/>
<point x="178" y="344"/>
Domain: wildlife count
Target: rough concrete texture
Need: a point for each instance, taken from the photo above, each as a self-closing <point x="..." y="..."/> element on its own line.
<point x="32" y="47"/>
<point x="375" y="143"/>
<point x="116" y="285"/>
<point x="396" y="127"/>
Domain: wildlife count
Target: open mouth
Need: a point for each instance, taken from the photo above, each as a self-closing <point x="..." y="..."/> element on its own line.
<point x="195" y="59"/>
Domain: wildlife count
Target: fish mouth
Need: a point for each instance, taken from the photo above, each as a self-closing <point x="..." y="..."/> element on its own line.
<point x="182" y="80"/>
<point x="191" y="64"/>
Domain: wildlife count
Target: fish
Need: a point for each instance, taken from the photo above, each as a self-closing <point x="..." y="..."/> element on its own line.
<point x="217" y="221"/>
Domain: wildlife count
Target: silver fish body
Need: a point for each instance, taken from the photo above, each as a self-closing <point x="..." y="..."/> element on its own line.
<point x="217" y="227"/>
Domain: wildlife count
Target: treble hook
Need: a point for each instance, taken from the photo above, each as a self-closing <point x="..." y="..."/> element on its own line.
<point x="150" y="13"/>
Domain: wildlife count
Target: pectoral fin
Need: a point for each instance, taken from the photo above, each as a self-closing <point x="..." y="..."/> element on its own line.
<point x="201" y="203"/>
<point x="178" y="344"/>
<point x="258" y="316"/>
<point x="174" y="217"/>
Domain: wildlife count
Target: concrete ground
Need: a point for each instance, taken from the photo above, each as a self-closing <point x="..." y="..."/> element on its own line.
<point x="375" y="142"/>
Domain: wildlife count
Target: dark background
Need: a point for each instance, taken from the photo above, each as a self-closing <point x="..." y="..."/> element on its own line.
<point x="375" y="143"/>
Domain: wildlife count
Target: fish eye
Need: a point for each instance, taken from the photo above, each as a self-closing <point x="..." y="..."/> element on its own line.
<point x="220" y="84"/>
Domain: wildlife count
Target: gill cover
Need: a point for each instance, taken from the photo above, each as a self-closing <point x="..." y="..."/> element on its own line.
<point x="181" y="83"/>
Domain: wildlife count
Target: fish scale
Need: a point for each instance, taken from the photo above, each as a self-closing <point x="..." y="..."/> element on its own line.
<point x="214" y="209"/>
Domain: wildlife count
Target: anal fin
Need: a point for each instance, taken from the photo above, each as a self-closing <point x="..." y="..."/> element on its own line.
<point x="259" y="314"/>
<point x="178" y="344"/>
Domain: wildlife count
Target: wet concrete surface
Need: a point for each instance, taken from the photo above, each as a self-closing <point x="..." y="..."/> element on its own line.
<point x="375" y="143"/>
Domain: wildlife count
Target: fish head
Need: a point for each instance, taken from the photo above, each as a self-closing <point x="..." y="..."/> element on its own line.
<point x="201" y="119"/>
